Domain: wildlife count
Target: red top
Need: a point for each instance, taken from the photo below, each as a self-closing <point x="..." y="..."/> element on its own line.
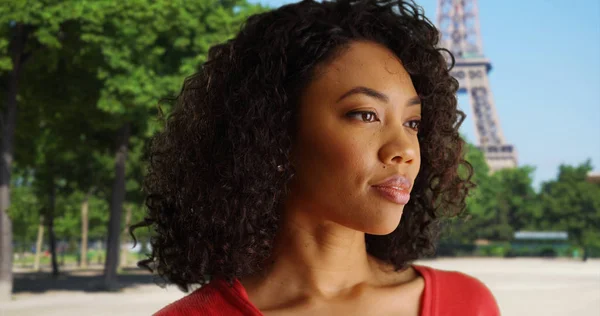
<point x="446" y="293"/>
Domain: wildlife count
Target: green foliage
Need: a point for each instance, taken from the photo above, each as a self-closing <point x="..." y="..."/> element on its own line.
<point x="505" y="202"/>
<point x="140" y="65"/>
<point x="87" y="68"/>
<point x="24" y="209"/>
<point x="5" y="61"/>
<point x="499" y="249"/>
<point x="483" y="219"/>
<point x="571" y="203"/>
<point x="68" y="225"/>
<point x="516" y="201"/>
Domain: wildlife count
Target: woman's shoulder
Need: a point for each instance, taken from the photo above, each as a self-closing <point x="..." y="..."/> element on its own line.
<point x="449" y="281"/>
<point x="215" y="298"/>
<point x="199" y="302"/>
<point x="447" y="292"/>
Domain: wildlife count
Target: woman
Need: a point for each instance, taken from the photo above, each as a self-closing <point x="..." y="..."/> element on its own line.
<point x="307" y="165"/>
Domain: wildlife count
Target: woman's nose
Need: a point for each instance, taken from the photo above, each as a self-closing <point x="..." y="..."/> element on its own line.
<point x="399" y="149"/>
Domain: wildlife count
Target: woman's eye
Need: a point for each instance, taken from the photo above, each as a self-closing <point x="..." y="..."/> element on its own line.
<point x="414" y="124"/>
<point x="365" y="116"/>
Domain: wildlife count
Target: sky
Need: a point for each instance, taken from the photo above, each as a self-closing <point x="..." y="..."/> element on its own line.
<point x="545" y="78"/>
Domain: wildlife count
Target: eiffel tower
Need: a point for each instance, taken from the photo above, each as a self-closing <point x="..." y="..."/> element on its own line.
<point x="458" y="22"/>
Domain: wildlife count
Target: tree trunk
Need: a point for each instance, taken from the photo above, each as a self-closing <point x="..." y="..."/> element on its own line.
<point x="38" y="244"/>
<point x="9" y="122"/>
<point x="84" y="231"/>
<point x="116" y="207"/>
<point x="51" y="236"/>
<point x="124" y="248"/>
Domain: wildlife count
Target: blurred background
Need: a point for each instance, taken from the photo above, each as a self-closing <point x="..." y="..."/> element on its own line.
<point x="79" y="86"/>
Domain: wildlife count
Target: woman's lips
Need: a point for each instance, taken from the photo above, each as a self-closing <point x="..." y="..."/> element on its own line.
<point x="394" y="194"/>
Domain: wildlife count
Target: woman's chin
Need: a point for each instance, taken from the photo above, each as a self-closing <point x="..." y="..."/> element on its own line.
<point x="385" y="227"/>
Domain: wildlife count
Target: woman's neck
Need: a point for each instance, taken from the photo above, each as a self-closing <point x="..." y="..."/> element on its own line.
<point x="313" y="258"/>
<point x="323" y="258"/>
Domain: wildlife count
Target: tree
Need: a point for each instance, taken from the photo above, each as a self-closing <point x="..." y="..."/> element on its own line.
<point x="106" y="74"/>
<point x="572" y="204"/>
<point x="480" y="211"/>
<point x="24" y="209"/>
<point x="142" y="65"/>
<point x="26" y="29"/>
<point x="517" y="200"/>
<point x="502" y="203"/>
<point x="16" y="60"/>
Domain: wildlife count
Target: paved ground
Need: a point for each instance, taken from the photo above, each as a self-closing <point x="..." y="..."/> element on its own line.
<point x="536" y="286"/>
<point x="521" y="286"/>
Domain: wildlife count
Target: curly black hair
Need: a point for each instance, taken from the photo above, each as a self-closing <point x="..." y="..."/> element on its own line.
<point x="214" y="198"/>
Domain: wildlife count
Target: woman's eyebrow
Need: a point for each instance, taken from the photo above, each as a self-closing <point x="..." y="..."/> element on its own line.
<point x="416" y="100"/>
<point x="366" y="91"/>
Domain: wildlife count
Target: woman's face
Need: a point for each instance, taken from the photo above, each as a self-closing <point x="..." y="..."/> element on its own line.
<point x="358" y="122"/>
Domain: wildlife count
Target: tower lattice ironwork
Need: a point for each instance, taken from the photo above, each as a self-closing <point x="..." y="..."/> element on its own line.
<point x="458" y="22"/>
